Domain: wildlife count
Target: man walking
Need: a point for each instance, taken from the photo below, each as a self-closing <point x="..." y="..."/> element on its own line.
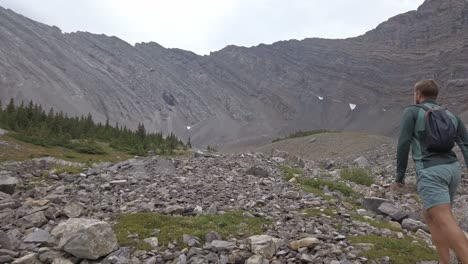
<point x="431" y="131"/>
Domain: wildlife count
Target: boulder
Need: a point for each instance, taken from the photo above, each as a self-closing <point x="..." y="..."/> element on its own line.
<point x="5" y="241"/>
<point x="28" y="259"/>
<point x="394" y="212"/>
<point x="62" y="261"/>
<point x="152" y="241"/>
<point x="309" y="242"/>
<point x="73" y="209"/>
<point x="361" y="162"/>
<point x="7" y="184"/>
<point x="263" y="245"/>
<point x="219" y="245"/>
<point x="38" y="236"/>
<point x="174" y="209"/>
<point x="256" y="259"/>
<point x="86" y="238"/>
<point x="373" y="203"/>
<point x="212" y="236"/>
<point x="413" y="225"/>
<point x="36" y="219"/>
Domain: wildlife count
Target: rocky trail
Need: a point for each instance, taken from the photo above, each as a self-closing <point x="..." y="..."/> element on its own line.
<point x="243" y="208"/>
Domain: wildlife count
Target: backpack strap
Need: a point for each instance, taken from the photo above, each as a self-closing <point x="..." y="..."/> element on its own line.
<point x="428" y="109"/>
<point x="425" y="107"/>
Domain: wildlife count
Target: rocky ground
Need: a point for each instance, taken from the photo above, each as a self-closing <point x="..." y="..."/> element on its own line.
<point x="54" y="212"/>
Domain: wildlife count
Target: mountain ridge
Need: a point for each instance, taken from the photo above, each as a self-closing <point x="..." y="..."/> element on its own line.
<point x="238" y="95"/>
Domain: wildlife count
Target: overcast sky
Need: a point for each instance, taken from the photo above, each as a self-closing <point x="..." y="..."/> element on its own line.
<point x="209" y="25"/>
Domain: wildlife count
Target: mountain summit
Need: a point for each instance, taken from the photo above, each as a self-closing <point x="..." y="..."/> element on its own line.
<point x="239" y="95"/>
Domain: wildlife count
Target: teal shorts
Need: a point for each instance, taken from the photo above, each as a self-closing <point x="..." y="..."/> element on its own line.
<point x="437" y="185"/>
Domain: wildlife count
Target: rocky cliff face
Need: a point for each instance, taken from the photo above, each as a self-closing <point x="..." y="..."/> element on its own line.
<point x="239" y="95"/>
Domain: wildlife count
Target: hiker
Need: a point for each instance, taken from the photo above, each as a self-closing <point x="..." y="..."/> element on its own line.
<point x="431" y="131"/>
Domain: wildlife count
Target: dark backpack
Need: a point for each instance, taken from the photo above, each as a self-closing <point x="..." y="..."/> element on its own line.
<point x="440" y="130"/>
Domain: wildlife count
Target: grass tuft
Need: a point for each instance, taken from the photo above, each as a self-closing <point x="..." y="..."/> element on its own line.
<point x="319" y="184"/>
<point x="289" y="172"/>
<point x="400" y="251"/>
<point x="358" y="175"/>
<point x="174" y="227"/>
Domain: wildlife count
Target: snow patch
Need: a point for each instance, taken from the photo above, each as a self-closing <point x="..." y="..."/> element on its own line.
<point x="320" y="98"/>
<point x="352" y="106"/>
<point x="189" y="127"/>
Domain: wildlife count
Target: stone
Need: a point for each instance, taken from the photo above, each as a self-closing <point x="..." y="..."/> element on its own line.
<point x="256" y="259"/>
<point x="220" y="245"/>
<point x="38" y="236"/>
<point x="464" y="221"/>
<point x="118" y="182"/>
<point x="373" y="203"/>
<point x="309" y="242"/>
<point x="412" y="225"/>
<point x="394" y="212"/>
<point x="37" y="219"/>
<point x="7" y="184"/>
<point x="6" y="259"/>
<point x="62" y="261"/>
<point x="174" y="209"/>
<point x="9" y="204"/>
<point x="262" y="245"/>
<point x="28" y="259"/>
<point x="258" y="171"/>
<point x="307" y="258"/>
<point x="424" y="236"/>
<point x="361" y="162"/>
<point x="73" y="209"/>
<point x="121" y="256"/>
<point x="10" y="253"/>
<point x="85" y="238"/>
<point x="293" y="180"/>
<point x="211" y="236"/>
<point x="5" y="241"/>
<point x="152" y="241"/>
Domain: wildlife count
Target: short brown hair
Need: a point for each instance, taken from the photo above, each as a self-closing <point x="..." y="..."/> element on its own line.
<point x="427" y="88"/>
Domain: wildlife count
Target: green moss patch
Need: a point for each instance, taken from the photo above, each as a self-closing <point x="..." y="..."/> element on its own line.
<point x="319" y="184"/>
<point x="231" y="224"/>
<point x="375" y="223"/>
<point x="400" y="251"/>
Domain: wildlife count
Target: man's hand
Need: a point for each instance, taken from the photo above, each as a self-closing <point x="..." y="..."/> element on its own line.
<point x="398" y="185"/>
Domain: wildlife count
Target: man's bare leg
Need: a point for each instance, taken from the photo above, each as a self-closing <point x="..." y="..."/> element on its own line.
<point x="440" y="242"/>
<point x="442" y="217"/>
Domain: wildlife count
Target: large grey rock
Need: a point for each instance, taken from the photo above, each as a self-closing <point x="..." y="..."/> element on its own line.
<point x="36" y="219"/>
<point x="413" y="225"/>
<point x="361" y="162"/>
<point x="73" y="209"/>
<point x="7" y="184"/>
<point x="5" y="241"/>
<point x="38" y="236"/>
<point x="220" y="245"/>
<point x="256" y="259"/>
<point x="373" y="203"/>
<point x="211" y="236"/>
<point x="309" y="242"/>
<point x="394" y="212"/>
<point x="85" y="238"/>
<point x="28" y="259"/>
<point x="263" y="245"/>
